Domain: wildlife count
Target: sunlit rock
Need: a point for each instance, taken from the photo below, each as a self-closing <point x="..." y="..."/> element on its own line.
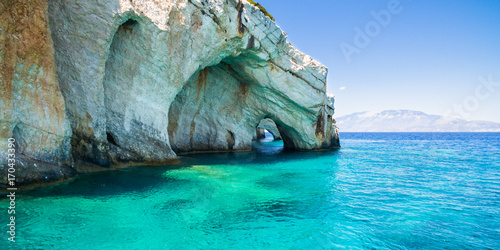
<point x="145" y="80"/>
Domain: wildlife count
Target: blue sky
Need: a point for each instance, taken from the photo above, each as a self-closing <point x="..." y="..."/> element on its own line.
<point x="430" y="56"/>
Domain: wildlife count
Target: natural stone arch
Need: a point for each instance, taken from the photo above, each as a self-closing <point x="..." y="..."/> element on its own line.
<point x="269" y="125"/>
<point x="128" y="137"/>
<point x="220" y="107"/>
<point x="184" y="41"/>
<point x="207" y="114"/>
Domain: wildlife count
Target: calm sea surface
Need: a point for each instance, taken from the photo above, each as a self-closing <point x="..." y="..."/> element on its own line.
<point x="379" y="191"/>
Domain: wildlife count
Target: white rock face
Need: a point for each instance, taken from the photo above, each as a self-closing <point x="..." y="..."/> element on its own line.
<point x="141" y="78"/>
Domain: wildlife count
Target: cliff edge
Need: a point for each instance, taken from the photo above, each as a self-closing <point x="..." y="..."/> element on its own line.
<point x="95" y="84"/>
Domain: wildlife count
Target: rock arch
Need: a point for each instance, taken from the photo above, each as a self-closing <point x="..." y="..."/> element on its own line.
<point x="269" y="125"/>
<point x="134" y="90"/>
<point x="128" y="90"/>
<point x="220" y="105"/>
<point x="117" y="80"/>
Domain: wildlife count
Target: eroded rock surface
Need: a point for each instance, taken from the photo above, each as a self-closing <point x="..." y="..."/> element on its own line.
<point x="32" y="107"/>
<point x="144" y="80"/>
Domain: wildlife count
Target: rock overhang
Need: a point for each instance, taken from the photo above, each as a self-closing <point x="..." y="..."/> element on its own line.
<point x="123" y="65"/>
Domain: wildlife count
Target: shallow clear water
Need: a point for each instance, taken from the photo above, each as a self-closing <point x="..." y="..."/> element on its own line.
<point x="379" y="191"/>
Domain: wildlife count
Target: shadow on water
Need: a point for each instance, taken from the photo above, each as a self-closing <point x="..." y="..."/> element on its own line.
<point x="388" y="191"/>
<point x="139" y="179"/>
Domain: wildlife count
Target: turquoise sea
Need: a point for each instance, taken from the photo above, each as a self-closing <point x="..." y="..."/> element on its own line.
<point x="379" y="191"/>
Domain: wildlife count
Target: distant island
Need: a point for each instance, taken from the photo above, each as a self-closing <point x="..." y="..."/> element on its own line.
<point x="410" y="121"/>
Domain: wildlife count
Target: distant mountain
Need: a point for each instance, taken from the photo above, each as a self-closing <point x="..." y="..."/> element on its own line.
<point x="410" y="121"/>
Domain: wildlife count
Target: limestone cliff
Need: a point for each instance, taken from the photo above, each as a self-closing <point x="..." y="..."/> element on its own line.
<point x="32" y="107"/>
<point x="144" y="80"/>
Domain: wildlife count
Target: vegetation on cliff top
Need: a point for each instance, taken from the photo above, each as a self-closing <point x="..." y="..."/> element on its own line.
<point x="262" y="9"/>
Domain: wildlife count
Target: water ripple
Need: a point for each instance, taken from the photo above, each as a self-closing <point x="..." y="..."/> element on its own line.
<point x="380" y="191"/>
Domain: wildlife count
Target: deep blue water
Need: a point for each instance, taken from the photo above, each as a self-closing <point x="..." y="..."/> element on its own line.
<point x="379" y="191"/>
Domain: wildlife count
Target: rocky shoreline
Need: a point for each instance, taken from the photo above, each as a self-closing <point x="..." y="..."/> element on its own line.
<point x="104" y="85"/>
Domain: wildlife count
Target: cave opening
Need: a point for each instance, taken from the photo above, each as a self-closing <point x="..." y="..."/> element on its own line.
<point x="130" y="23"/>
<point x="222" y="108"/>
<point x="136" y="95"/>
<point x="267" y="130"/>
<point x="111" y="139"/>
<point x="131" y="111"/>
<point x="121" y="56"/>
<point x="267" y="137"/>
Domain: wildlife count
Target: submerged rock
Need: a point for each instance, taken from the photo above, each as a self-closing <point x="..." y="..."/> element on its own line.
<point x="142" y="81"/>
